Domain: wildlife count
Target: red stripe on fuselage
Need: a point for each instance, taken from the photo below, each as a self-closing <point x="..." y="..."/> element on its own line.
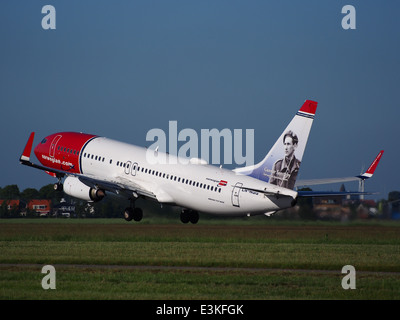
<point x="62" y="151"/>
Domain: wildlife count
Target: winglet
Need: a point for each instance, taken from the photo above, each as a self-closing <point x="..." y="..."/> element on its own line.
<point x="26" y="155"/>
<point x="368" y="174"/>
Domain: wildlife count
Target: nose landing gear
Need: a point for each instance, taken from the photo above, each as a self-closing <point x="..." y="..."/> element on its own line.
<point x="58" y="186"/>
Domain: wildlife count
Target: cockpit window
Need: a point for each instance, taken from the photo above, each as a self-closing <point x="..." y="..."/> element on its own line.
<point x="44" y="141"/>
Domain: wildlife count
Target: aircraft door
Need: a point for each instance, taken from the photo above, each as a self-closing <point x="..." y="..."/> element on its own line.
<point x="235" y="194"/>
<point x="53" y="146"/>
<point x="127" y="167"/>
<point x="134" y="168"/>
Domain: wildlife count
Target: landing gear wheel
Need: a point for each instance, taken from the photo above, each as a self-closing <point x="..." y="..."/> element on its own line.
<point x="185" y="216"/>
<point x="58" y="186"/>
<point x="194" y="217"/>
<point x="128" y="214"/>
<point x="137" y="214"/>
<point x="189" y="216"/>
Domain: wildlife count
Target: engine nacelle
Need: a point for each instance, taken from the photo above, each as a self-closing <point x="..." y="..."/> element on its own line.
<point x="75" y="188"/>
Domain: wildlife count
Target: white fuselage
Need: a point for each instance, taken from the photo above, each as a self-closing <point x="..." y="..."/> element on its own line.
<point x="200" y="187"/>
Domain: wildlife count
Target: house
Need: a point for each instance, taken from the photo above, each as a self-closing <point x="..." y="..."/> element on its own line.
<point x="64" y="209"/>
<point x="42" y="207"/>
<point x="13" y="204"/>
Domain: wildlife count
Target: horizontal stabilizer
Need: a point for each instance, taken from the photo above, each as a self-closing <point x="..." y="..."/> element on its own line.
<point x="366" y="175"/>
<point x="303" y="194"/>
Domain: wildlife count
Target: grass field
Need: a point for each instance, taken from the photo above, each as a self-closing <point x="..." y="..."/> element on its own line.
<point x="223" y="259"/>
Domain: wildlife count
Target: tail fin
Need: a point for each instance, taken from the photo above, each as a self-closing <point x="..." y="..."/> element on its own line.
<point x="282" y="163"/>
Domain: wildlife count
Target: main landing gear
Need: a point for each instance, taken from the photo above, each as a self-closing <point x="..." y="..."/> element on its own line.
<point x="133" y="213"/>
<point x="189" y="216"/>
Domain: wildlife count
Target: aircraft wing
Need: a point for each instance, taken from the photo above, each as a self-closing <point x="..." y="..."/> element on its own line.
<point x="118" y="186"/>
<point x="366" y="175"/>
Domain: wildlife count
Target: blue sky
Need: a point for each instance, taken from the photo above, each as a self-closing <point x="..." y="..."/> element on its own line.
<point x="121" y="68"/>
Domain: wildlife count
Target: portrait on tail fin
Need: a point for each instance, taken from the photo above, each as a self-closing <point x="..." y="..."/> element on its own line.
<point x="285" y="170"/>
<point x="281" y="165"/>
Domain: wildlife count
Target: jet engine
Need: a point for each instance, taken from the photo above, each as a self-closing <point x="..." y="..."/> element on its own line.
<point x="75" y="188"/>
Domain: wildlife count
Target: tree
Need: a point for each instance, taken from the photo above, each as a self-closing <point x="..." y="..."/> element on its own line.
<point x="306" y="207"/>
<point x="394" y="195"/>
<point x="394" y="200"/>
<point x="4" y="210"/>
<point x="10" y="192"/>
<point x="29" y="194"/>
<point x="48" y="192"/>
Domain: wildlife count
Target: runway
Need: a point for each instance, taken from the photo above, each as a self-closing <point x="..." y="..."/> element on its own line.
<point x="190" y="268"/>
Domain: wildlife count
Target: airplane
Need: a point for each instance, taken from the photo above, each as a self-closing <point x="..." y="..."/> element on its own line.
<point x="94" y="166"/>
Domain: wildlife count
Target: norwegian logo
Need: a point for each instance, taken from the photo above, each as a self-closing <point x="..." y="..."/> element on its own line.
<point x="223" y="183"/>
